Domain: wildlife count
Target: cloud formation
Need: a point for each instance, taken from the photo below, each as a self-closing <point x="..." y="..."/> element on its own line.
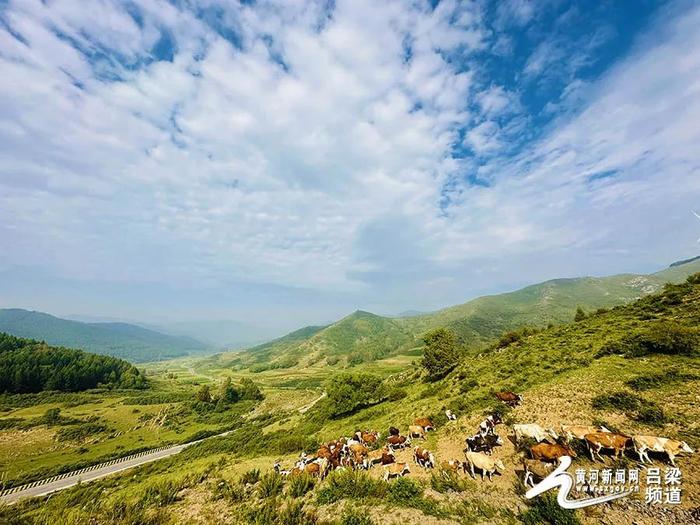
<point x="359" y="147"/>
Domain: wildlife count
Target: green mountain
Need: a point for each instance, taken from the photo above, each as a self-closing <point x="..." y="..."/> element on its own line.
<point x="116" y="339"/>
<point x="363" y="336"/>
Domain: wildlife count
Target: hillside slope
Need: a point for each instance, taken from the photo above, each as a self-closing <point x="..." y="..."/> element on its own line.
<point x="116" y="339"/>
<point x="364" y="337"/>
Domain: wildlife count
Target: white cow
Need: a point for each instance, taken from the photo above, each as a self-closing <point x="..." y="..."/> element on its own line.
<point x="672" y="447"/>
<point x="536" y="432"/>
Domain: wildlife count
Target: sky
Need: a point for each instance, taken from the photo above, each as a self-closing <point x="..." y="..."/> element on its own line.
<point x="284" y="163"/>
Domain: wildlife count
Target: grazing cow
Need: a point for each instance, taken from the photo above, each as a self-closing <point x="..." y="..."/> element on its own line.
<point x="596" y="441"/>
<point x="672" y="447"/>
<point x="535" y="469"/>
<point x="398" y="441"/>
<point x="450" y="415"/>
<point x="317" y="468"/>
<point x="425" y="423"/>
<point x="416" y="431"/>
<point x="393" y="431"/>
<point x="277" y="467"/>
<point x="382" y="456"/>
<point x="509" y="398"/>
<point x="423" y="457"/>
<point x="396" y="470"/>
<point x="452" y="465"/>
<point x="536" y="432"/>
<point x="367" y="437"/>
<point x="487" y="465"/>
<point x="488" y="424"/>
<point x="483" y="443"/>
<point x="579" y="431"/>
<point x="551" y="452"/>
<point x="358" y="455"/>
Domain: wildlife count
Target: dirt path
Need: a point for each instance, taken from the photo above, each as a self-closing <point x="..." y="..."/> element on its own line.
<point x="306" y="408"/>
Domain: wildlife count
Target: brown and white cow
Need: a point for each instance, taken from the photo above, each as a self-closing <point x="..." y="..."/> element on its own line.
<point x="399" y="441"/>
<point x="596" y="441"/>
<point x="424" y="422"/>
<point x="358" y="455"/>
<point x="486" y="464"/>
<point x="367" y="437"/>
<point x="671" y="447"/>
<point x="509" y="398"/>
<point x="396" y="470"/>
<point x="423" y="457"/>
<point x="381" y="456"/>
<point x="579" y="431"/>
<point x="551" y="451"/>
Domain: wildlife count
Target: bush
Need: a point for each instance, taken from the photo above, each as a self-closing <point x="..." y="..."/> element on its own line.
<point x="355" y="517"/>
<point x="352" y="484"/>
<point x="663" y="337"/>
<point x="300" y="484"/>
<point x="232" y="492"/>
<point x="633" y="406"/>
<point x="160" y="494"/>
<point x="350" y="392"/>
<point x="396" y="394"/>
<point x="647" y="382"/>
<point x="270" y="485"/>
<point x="545" y="509"/>
<point x="295" y="514"/>
<point x="250" y="477"/>
<point x="404" y="490"/>
<point x="441" y="354"/>
<point x="448" y="481"/>
<point x="80" y="432"/>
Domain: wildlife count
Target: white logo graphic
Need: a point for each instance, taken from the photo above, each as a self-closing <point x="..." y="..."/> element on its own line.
<point x="562" y="479"/>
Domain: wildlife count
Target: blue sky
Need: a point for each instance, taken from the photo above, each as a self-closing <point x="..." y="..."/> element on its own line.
<point x="285" y="163"/>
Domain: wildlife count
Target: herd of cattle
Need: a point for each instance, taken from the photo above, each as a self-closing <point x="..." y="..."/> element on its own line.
<point x="362" y="450"/>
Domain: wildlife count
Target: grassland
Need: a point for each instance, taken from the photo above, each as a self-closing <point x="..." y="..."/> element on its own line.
<point x="570" y="373"/>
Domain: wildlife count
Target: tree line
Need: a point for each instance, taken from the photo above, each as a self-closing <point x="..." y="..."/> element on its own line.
<point x="29" y="366"/>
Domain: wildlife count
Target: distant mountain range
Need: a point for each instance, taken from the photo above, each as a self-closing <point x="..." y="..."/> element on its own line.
<point x="363" y="336"/>
<point x="128" y="341"/>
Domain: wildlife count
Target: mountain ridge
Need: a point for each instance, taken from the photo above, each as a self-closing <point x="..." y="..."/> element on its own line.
<point x="117" y="339"/>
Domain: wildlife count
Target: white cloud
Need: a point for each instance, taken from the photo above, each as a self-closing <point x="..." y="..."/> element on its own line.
<point x="288" y="160"/>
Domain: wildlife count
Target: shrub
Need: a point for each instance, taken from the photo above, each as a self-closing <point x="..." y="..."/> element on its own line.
<point x="350" y="484"/>
<point x="396" y="394"/>
<point x="160" y="494"/>
<point x="295" y="514"/>
<point x="448" y="481"/>
<point x="404" y="490"/>
<point x="270" y="485"/>
<point x="350" y="392"/>
<point x="232" y="492"/>
<point x="647" y="382"/>
<point x="250" y="477"/>
<point x="633" y="406"/>
<point x="300" y="484"/>
<point x="355" y="517"/>
<point x="545" y="509"/>
<point x="441" y="354"/>
<point x="80" y="432"/>
<point x="663" y="337"/>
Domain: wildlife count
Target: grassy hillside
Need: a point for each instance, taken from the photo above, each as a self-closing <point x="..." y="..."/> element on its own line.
<point x="365" y="337"/>
<point x="635" y="368"/>
<point x="123" y="340"/>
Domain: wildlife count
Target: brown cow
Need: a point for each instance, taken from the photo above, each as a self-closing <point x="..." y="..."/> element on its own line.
<point x="398" y="441"/>
<point x="509" y="398"/>
<point x="596" y="441"/>
<point x="416" y="431"/>
<point x="367" y="437"/>
<point x="425" y="423"/>
<point x="393" y="431"/>
<point x="358" y="454"/>
<point x="551" y="452"/>
<point x="396" y="470"/>
<point x="452" y="465"/>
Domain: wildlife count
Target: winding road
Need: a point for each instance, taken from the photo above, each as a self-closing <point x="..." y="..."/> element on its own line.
<point x="70" y="479"/>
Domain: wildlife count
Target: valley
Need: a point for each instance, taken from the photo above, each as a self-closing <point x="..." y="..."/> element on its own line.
<point x="633" y="367"/>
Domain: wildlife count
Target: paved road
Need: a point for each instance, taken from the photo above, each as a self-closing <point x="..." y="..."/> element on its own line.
<point x="64" y="481"/>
